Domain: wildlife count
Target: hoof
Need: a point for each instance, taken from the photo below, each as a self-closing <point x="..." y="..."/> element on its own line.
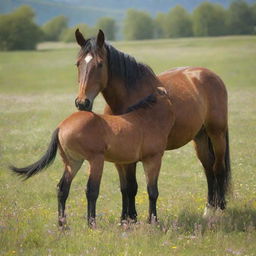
<point x="209" y="211"/>
<point x="63" y="224"/>
<point x="124" y="224"/>
<point x="132" y="220"/>
<point x="128" y="220"/>
<point x="219" y="212"/>
<point x="62" y="221"/>
<point x="92" y="223"/>
<point x="153" y="220"/>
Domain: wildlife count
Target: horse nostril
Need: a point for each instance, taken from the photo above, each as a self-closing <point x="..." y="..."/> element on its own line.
<point x="87" y="104"/>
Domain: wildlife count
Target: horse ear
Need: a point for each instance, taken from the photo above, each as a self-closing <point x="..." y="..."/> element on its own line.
<point x="100" y="39"/>
<point x="80" y="38"/>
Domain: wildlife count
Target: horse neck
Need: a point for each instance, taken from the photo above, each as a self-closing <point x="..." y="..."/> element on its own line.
<point x="119" y="97"/>
<point x="160" y="110"/>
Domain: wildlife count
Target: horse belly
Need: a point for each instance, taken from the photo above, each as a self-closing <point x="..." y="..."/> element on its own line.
<point x="190" y="118"/>
<point x="181" y="134"/>
<point x="122" y="154"/>
<point x="124" y="148"/>
<point x="189" y="105"/>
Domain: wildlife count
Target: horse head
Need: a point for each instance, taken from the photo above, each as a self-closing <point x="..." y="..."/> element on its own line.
<point x="92" y="69"/>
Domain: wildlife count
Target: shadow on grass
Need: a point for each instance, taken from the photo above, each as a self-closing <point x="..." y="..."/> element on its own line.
<point x="192" y="222"/>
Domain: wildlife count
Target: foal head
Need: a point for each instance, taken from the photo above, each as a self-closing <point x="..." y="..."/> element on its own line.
<point x="92" y="69"/>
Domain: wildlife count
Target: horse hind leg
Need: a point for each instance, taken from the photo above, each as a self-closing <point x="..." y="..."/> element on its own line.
<point x="213" y="151"/>
<point x="221" y="166"/>
<point x="63" y="188"/>
<point x="205" y="154"/>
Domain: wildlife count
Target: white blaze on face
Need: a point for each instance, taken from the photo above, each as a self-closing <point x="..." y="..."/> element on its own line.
<point x="88" y="58"/>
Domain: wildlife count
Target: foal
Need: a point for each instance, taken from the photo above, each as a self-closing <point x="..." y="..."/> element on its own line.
<point x="139" y="135"/>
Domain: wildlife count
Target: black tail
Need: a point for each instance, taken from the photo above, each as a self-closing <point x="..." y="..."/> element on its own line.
<point x="43" y="162"/>
<point x="227" y="163"/>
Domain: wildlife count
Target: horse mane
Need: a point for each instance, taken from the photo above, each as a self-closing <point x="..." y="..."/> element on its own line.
<point x="123" y="66"/>
<point x="127" y="68"/>
<point x="90" y="45"/>
<point x="144" y="103"/>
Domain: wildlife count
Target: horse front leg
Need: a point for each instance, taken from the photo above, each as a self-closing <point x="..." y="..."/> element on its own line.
<point x="123" y="188"/>
<point x="93" y="187"/>
<point x="129" y="187"/>
<point x="152" y="167"/>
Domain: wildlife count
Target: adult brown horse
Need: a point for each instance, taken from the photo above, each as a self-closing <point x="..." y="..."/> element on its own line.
<point x="199" y="100"/>
<point x="140" y="135"/>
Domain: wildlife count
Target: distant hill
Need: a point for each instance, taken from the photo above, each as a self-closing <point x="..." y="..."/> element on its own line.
<point x="46" y="10"/>
<point x="89" y="11"/>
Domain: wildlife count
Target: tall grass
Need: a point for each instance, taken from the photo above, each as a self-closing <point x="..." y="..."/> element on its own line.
<point x="37" y="90"/>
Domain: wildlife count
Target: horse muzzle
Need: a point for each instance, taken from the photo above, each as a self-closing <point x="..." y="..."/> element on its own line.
<point x="85" y="105"/>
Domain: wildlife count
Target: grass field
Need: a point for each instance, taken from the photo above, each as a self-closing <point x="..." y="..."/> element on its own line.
<point x="37" y="90"/>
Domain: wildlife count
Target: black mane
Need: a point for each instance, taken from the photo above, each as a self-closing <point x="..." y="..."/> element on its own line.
<point x="122" y="65"/>
<point x="90" y="46"/>
<point x="127" y="68"/>
<point x="144" y="103"/>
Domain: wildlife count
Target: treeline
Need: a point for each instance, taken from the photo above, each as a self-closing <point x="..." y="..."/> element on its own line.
<point x="208" y="19"/>
<point x="19" y="31"/>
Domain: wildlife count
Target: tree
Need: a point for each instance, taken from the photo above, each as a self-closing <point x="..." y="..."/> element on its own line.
<point x="178" y="23"/>
<point x="240" y="18"/>
<point x="160" y="25"/>
<point x="54" y="28"/>
<point x="253" y="8"/>
<point x="18" y="30"/>
<point x="68" y="35"/>
<point x="108" y="26"/>
<point x="138" y="25"/>
<point x="209" y="20"/>
<point x="25" y="11"/>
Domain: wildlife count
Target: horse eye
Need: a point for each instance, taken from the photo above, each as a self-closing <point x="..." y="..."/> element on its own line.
<point x="77" y="64"/>
<point x="100" y="65"/>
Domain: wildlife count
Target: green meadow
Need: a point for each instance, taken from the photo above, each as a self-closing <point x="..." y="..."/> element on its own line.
<point x="37" y="91"/>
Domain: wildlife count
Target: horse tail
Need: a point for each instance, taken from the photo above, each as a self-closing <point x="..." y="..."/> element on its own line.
<point x="43" y="162"/>
<point x="227" y="164"/>
<point x="227" y="172"/>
